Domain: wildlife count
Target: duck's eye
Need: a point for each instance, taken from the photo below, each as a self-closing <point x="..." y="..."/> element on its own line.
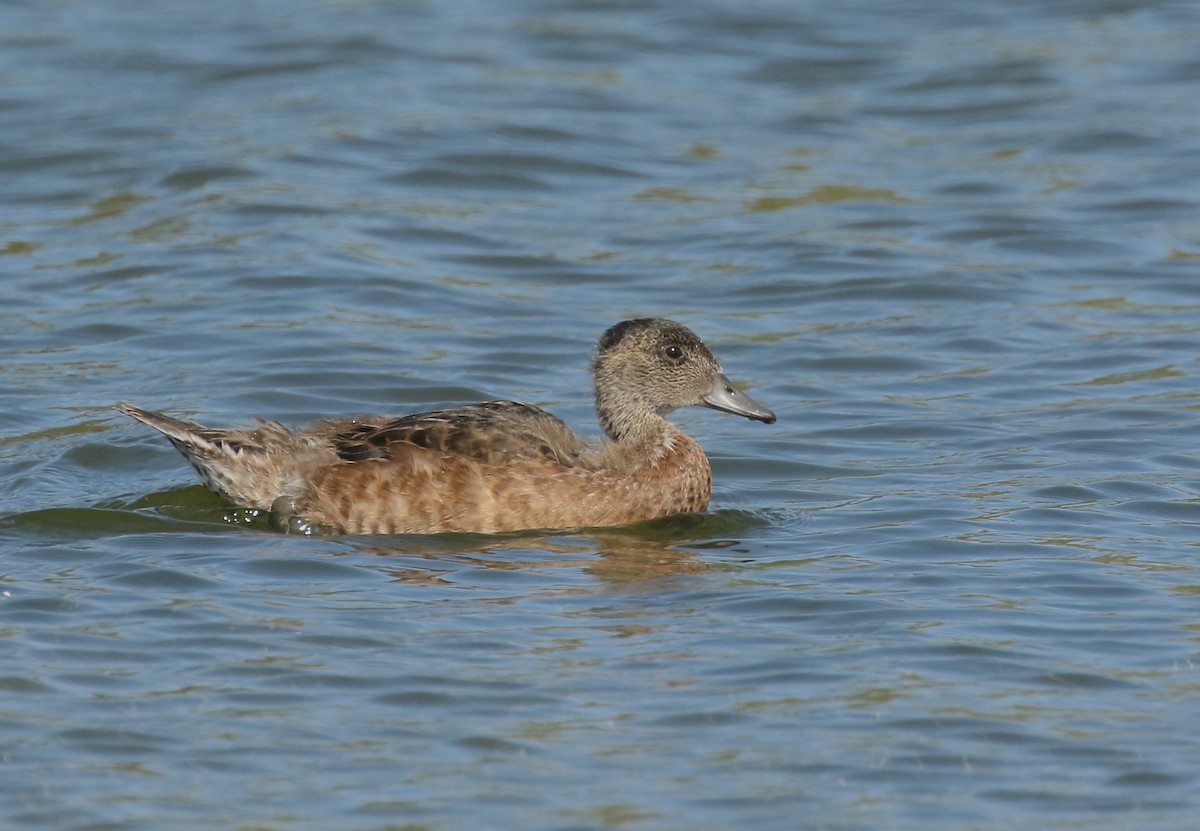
<point x="674" y="353"/>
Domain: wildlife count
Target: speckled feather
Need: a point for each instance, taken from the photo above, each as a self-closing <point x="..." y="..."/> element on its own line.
<point x="488" y="467"/>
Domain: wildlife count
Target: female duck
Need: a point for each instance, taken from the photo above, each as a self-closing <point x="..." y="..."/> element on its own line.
<point x="489" y="467"/>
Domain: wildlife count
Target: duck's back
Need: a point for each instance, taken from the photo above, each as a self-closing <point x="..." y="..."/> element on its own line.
<point x="492" y="432"/>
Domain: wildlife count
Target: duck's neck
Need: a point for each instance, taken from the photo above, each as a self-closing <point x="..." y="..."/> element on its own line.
<point x="630" y="424"/>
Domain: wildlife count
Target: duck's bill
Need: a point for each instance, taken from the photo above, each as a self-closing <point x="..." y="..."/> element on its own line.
<point x="723" y="396"/>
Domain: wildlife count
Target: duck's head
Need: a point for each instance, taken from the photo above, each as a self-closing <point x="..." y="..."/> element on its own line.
<point x="657" y="365"/>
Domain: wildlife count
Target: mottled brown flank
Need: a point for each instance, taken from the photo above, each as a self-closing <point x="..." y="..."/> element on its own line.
<point x="489" y="467"/>
<point x="448" y="493"/>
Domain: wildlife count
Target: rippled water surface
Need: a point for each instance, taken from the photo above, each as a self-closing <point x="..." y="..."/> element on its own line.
<point x="956" y="246"/>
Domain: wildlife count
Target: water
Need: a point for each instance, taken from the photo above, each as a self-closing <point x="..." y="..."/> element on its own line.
<point x="954" y="246"/>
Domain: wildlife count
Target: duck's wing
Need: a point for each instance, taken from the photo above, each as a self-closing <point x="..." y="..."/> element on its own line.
<point x="494" y="432"/>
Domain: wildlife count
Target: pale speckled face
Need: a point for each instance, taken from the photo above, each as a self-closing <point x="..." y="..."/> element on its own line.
<point x="663" y="365"/>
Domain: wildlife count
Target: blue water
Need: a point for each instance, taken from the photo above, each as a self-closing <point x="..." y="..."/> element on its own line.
<point x="956" y="247"/>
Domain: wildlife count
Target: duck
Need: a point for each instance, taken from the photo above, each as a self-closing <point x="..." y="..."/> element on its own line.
<point x="488" y="467"/>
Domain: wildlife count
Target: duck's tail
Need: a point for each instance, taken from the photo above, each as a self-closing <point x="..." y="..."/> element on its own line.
<point x="179" y="431"/>
<point x="253" y="466"/>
